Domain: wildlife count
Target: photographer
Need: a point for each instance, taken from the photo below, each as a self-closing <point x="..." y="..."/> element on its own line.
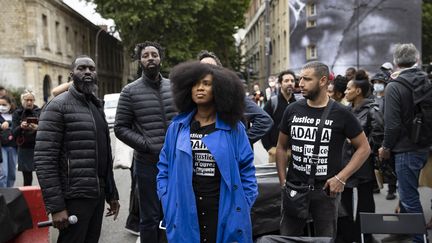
<point x="24" y="126"/>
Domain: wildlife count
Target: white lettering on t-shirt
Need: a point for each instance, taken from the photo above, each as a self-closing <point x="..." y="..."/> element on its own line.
<point x="204" y="164"/>
<point x="304" y="129"/>
<point x="307" y="133"/>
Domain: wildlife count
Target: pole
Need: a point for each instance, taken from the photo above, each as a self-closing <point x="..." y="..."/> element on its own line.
<point x="358" y="33"/>
<point x="267" y="39"/>
<point x="96" y="47"/>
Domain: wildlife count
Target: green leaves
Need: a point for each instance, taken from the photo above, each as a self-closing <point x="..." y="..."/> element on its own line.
<point x="183" y="27"/>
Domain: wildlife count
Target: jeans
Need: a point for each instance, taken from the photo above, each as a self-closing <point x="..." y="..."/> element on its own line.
<point x="8" y="167"/>
<point x="408" y="166"/>
<point x="149" y="205"/>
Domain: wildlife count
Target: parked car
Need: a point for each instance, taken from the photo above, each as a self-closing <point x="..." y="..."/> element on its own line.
<point x="110" y="107"/>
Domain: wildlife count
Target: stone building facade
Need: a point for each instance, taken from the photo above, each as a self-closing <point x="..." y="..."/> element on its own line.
<point x="40" y="39"/>
<point x="254" y="40"/>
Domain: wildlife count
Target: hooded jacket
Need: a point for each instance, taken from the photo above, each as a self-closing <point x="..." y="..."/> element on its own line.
<point x="238" y="190"/>
<point x="399" y="110"/>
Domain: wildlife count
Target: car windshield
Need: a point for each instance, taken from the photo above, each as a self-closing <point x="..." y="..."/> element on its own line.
<point x="110" y="104"/>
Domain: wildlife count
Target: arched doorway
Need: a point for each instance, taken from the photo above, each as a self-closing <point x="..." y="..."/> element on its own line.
<point x="46" y="88"/>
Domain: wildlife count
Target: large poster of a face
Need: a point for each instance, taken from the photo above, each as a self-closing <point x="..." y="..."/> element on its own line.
<point x="353" y="33"/>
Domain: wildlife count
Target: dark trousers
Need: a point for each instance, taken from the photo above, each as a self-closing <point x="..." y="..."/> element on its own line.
<point x="322" y="208"/>
<point x="208" y="208"/>
<point x="132" y="221"/>
<point x="28" y="178"/>
<point x="348" y="228"/>
<point x="149" y="205"/>
<point x="89" y="213"/>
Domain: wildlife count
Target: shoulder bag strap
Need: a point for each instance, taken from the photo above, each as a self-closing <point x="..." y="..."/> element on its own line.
<point x="315" y="152"/>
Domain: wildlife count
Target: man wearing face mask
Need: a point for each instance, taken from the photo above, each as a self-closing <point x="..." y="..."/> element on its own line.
<point x="73" y="158"/>
<point x="379" y="82"/>
<point x="272" y="90"/>
<point x="144" y="112"/>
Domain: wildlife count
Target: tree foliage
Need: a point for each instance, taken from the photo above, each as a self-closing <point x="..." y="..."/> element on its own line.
<point x="183" y="27"/>
<point x="427" y="32"/>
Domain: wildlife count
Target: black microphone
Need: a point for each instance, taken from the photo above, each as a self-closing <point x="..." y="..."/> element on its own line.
<point x="72" y="220"/>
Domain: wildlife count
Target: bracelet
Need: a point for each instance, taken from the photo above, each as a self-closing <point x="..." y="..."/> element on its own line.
<point x="341" y="181"/>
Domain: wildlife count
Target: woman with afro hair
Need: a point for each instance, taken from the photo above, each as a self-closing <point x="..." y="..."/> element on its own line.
<point x="206" y="181"/>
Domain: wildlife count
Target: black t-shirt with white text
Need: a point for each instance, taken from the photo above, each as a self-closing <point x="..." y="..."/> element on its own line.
<point x="206" y="175"/>
<point x="300" y="122"/>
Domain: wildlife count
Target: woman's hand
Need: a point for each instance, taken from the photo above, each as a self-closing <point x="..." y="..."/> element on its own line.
<point x="5" y="125"/>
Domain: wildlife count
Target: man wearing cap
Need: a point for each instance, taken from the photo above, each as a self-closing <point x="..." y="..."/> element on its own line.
<point x="387" y="69"/>
<point x="379" y="82"/>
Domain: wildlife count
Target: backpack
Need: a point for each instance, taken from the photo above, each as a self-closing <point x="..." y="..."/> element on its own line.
<point x="421" y="124"/>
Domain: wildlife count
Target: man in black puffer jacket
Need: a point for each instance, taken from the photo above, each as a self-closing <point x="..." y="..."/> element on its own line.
<point x="73" y="158"/>
<point x="144" y="112"/>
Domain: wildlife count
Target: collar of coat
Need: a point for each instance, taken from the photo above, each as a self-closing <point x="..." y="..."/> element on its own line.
<point x="83" y="98"/>
<point x="185" y="119"/>
<point x="217" y="149"/>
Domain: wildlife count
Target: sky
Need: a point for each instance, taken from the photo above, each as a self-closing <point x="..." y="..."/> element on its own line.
<point x="88" y="11"/>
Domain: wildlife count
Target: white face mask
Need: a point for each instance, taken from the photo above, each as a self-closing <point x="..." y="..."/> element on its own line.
<point x="378" y="87"/>
<point x="4" y="109"/>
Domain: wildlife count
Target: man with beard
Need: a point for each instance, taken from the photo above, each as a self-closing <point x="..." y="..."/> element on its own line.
<point x="318" y="172"/>
<point x="144" y="112"/>
<point x="275" y="107"/>
<point x="73" y="158"/>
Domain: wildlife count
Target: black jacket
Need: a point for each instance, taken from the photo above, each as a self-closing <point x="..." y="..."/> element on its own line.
<point x="399" y="111"/>
<point x="24" y="138"/>
<point x="258" y="122"/>
<point x="270" y="139"/>
<point x="366" y="115"/>
<point x="66" y="152"/>
<point x="144" y="112"/>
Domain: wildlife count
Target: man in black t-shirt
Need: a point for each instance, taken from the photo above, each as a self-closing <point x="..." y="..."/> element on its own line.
<point x="297" y="132"/>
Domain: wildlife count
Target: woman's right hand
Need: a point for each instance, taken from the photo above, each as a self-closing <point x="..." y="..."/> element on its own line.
<point x="5" y="125"/>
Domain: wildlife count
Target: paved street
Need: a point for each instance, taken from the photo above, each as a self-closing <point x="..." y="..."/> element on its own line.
<point x="113" y="231"/>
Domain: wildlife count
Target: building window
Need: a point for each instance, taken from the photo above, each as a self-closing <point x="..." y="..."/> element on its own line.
<point x="59" y="80"/>
<point x="311" y="52"/>
<point x="84" y="44"/>
<point x="77" y="45"/>
<point x="45" y="31"/>
<point x="311" y="9"/>
<point x="58" y="39"/>
<point x="68" y="42"/>
<point x="311" y="23"/>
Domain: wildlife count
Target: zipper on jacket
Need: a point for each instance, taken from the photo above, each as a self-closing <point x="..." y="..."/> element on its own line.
<point x="159" y="95"/>
<point x="68" y="173"/>
<point x="97" y="152"/>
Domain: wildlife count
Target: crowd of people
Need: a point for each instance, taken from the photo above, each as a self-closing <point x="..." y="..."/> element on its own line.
<point x="193" y="134"/>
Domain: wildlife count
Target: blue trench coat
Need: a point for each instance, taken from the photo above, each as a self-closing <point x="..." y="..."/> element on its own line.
<point x="238" y="190"/>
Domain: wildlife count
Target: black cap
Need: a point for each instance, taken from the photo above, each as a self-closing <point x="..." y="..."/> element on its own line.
<point x="380" y="76"/>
